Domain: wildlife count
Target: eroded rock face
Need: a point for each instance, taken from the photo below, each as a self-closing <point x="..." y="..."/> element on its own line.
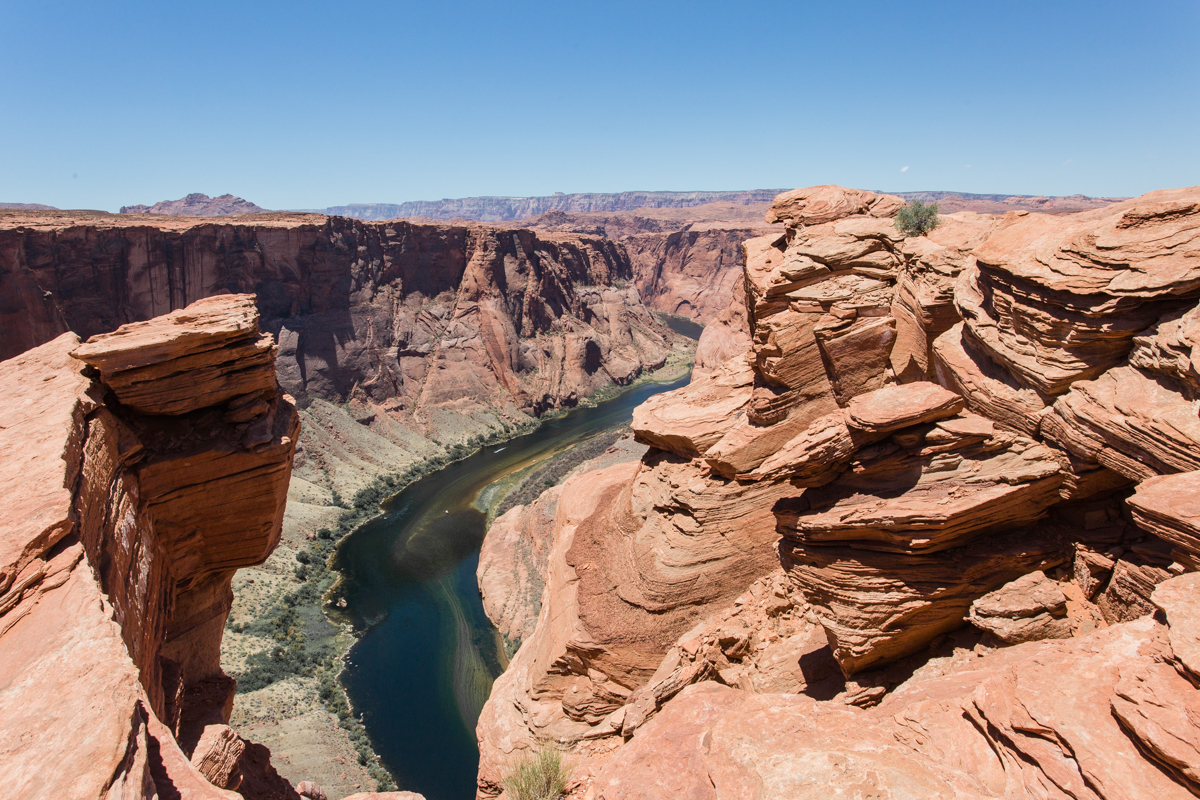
<point x="949" y="429"/>
<point x="414" y="320"/>
<point x="1057" y="299"/>
<point x="512" y="565"/>
<point x="123" y="526"/>
<point x="685" y="262"/>
<point x="1057" y="718"/>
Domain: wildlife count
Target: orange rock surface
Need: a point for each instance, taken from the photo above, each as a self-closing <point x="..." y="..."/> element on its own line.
<point x="123" y="523"/>
<point x="968" y="442"/>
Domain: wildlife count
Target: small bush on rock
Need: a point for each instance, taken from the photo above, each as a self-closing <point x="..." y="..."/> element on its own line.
<point x="537" y="776"/>
<point x="917" y="218"/>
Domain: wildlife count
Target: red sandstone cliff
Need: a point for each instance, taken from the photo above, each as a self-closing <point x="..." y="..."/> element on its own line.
<point x="448" y="329"/>
<point x="995" y="427"/>
<point x="139" y="471"/>
<point x="685" y="261"/>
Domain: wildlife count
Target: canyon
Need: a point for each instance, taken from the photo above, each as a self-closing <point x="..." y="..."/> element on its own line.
<point x="396" y="346"/>
<point x="507" y="209"/>
<point x="922" y="525"/>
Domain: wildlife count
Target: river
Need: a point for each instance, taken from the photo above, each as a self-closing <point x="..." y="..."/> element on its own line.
<point x="427" y="655"/>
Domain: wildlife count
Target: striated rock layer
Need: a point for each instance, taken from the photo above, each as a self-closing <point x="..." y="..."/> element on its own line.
<point x="126" y="513"/>
<point x="945" y="431"/>
<point x="686" y="262"/>
<point x="419" y="322"/>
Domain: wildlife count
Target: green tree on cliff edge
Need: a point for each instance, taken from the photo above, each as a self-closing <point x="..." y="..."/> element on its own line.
<point x="917" y="218"/>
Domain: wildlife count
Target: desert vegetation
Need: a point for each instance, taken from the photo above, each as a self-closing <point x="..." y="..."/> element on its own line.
<point x="541" y="775"/>
<point x="917" y="218"/>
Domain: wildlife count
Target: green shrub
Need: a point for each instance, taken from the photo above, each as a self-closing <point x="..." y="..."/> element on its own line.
<point x="917" y="218"/>
<point x="538" y="776"/>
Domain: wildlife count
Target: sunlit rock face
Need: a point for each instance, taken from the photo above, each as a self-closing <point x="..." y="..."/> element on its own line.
<point x="140" y="470"/>
<point x="414" y="321"/>
<point x="975" y="447"/>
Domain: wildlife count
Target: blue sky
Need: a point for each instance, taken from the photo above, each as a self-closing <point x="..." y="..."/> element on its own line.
<point x="304" y="104"/>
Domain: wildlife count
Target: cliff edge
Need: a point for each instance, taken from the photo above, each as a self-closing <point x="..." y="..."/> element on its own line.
<point x="931" y="531"/>
<point x="140" y="470"/>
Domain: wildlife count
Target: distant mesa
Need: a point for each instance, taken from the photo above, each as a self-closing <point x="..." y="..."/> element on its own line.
<point x="951" y="202"/>
<point x="198" y="205"/>
<point x="504" y="209"/>
<point x="28" y="206"/>
<point x="507" y="209"/>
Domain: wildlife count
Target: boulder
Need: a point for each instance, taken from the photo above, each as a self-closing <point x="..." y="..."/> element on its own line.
<point x="1030" y="608"/>
<point x="196" y="357"/>
<point x="817" y="204"/>
<point x="895" y="407"/>
<point x="217" y="754"/>
<point x="1169" y="507"/>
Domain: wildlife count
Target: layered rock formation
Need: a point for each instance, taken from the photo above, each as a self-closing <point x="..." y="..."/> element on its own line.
<point x="401" y="342"/>
<point x="140" y="470"/>
<point x="945" y="429"/>
<point x="686" y="262"/>
<point x="418" y="315"/>
<point x="1108" y="715"/>
<point x="198" y="205"/>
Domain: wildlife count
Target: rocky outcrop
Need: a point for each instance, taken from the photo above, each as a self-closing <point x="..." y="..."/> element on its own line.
<point x="1029" y="609"/>
<point x="198" y="205"/>
<point x="947" y="428"/>
<point x="1169" y="507"/>
<point x="1103" y="716"/>
<point x="1055" y="300"/>
<point x="126" y="514"/>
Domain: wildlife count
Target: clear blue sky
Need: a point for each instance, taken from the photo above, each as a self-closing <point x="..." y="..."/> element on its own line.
<point x="302" y="104"/>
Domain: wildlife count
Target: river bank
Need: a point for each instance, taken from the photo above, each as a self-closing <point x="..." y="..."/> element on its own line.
<point x="287" y="652"/>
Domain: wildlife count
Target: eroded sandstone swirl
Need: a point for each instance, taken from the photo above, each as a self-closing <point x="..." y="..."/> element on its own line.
<point x="933" y="526"/>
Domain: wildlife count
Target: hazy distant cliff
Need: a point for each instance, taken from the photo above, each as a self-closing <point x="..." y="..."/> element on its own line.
<point x="497" y="209"/>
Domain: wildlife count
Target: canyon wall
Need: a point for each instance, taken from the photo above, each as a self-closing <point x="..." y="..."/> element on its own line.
<point x="140" y="470"/>
<point x="427" y="335"/>
<point x="420" y="314"/>
<point x="686" y="262"/>
<point x="918" y="526"/>
<point x="401" y="344"/>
